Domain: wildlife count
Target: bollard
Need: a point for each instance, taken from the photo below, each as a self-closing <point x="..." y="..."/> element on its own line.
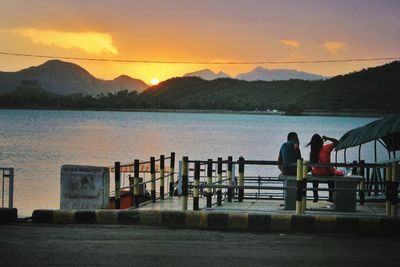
<point x="171" y="174"/>
<point x="395" y="190"/>
<point x="388" y="182"/>
<point x="362" y="184"/>
<point x="299" y="180"/>
<point x="209" y="182"/>
<point x="117" y="172"/>
<point x="219" y="177"/>
<point x="162" y="166"/>
<point x="241" y="179"/>
<point x="229" y="177"/>
<point x="185" y="177"/>
<point x="304" y="187"/>
<point x="136" y="197"/>
<point x="196" y="183"/>
<point x="153" y="178"/>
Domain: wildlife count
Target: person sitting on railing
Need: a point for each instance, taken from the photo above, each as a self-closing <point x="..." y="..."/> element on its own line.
<point x="289" y="153"/>
<point x="321" y="154"/>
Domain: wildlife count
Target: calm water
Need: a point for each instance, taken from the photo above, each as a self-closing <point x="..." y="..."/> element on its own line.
<point x="36" y="143"/>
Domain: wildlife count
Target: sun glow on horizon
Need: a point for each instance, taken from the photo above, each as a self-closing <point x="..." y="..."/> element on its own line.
<point x="154" y="81"/>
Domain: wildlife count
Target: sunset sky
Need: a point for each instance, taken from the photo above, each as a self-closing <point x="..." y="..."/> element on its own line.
<point x="206" y="30"/>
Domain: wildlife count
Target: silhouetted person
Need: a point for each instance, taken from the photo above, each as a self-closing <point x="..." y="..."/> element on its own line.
<point x="289" y="153"/>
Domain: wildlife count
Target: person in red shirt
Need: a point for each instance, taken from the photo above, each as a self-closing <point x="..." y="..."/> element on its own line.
<point x="321" y="154"/>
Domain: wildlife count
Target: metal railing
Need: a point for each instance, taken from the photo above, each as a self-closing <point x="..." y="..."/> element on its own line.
<point x="231" y="186"/>
<point x="138" y="179"/>
<point x="7" y="193"/>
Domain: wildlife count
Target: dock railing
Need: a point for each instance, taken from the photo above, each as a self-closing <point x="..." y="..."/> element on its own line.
<point x="197" y="176"/>
<point x="7" y="192"/>
<point x="139" y="174"/>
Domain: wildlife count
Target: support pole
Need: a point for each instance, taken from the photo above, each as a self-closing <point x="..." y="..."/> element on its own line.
<point x="10" y="188"/>
<point x="299" y="182"/>
<point x="117" y="172"/>
<point x="395" y="190"/>
<point x="362" y="183"/>
<point x="229" y="177"/>
<point x="153" y="178"/>
<point x="196" y="183"/>
<point x="171" y="174"/>
<point x="132" y="188"/>
<point x="136" y="197"/>
<point x="388" y="190"/>
<point x="304" y="187"/>
<point x="162" y="166"/>
<point x="185" y="177"/>
<point x="209" y="181"/>
<point x="241" y="179"/>
<point x="219" y="177"/>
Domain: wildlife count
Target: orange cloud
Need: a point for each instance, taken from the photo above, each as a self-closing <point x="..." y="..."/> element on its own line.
<point x="291" y="43"/>
<point x="334" y="47"/>
<point x="91" y="42"/>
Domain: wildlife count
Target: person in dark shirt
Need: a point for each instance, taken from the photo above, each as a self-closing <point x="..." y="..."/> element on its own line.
<point x="289" y="153"/>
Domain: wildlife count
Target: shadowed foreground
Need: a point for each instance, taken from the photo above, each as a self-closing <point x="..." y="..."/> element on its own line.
<point x="83" y="245"/>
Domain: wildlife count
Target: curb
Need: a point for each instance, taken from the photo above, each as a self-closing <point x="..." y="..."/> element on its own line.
<point x="8" y="215"/>
<point x="225" y="221"/>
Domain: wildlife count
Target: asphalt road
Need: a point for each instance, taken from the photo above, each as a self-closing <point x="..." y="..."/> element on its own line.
<point x="93" y="245"/>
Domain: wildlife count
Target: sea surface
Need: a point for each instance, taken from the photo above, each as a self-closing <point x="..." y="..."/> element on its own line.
<point x="38" y="142"/>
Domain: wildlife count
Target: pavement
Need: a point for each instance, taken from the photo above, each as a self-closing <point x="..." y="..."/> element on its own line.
<point x="31" y="244"/>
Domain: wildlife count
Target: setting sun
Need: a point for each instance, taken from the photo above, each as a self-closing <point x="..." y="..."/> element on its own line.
<point x="154" y="81"/>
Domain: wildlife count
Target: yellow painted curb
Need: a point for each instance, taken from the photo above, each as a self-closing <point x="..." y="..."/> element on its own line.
<point x="238" y="221"/>
<point x="64" y="216"/>
<point x="196" y="219"/>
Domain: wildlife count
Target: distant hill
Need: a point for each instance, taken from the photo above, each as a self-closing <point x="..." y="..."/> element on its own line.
<point x="263" y="74"/>
<point x="370" y="90"/>
<point x="375" y="88"/>
<point x="207" y="74"/>
<point x="66" y="78"/>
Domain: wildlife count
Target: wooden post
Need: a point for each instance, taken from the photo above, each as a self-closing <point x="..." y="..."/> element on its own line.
<point x="219" y="177"/>
<point x="185" y="184"/>
<point x="395" y="190"/>
<point x="171" y="174"/>
<point x="299" y="179"/>
<point x="241" y="179"/>
<point x="388" y="181"/>
<point x="117" y="172"/>
<point x="229" y="177"/>
<point x="304" y="187"/>
<point x="162" y="166"/>
<point x="196" y="183"/>
<point x="153" y="178"/>
<point x="136" y="182"/>
<point x="209" y="181"/>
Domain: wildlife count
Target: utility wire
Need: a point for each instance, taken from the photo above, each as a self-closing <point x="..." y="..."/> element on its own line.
<point x="201" y="62"/>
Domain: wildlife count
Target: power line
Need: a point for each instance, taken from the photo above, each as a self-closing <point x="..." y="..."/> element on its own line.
<point x="201" y="62"/>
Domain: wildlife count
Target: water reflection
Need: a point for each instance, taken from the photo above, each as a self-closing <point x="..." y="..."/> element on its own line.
<point x="37" y="143"/>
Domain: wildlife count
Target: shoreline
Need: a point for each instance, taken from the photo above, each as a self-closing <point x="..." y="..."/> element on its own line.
<point x="323" y="113"/>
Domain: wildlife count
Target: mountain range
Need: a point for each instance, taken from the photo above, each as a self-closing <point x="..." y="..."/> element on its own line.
<point x="207" y="74"/>
<point x="259" y="74"/>
<point x="66" y="78"/>
<point x="375" y="88"/>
